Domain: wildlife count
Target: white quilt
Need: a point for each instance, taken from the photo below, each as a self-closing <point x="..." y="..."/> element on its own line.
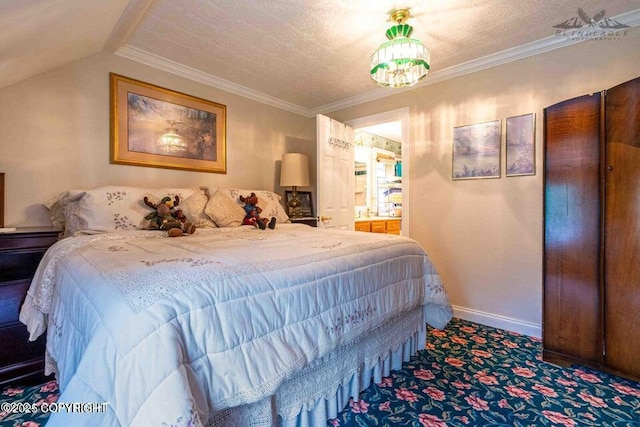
<point x="166" y="330"/>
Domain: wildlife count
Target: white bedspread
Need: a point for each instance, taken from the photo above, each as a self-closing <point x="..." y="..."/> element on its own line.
<point x="166" y="330"/>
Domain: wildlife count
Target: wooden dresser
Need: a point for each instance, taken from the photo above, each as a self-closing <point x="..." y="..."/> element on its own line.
<point x="21" y="361"/>
<point x="388" y="226"/>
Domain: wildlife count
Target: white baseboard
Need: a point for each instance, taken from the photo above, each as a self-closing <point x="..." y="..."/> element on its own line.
<point x="497" y="321"/>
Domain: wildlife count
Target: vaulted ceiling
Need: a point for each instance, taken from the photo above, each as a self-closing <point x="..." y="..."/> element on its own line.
<point x="302" y="55"/>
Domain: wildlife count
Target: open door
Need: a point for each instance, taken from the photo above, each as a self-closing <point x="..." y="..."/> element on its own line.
<point x="335" y="174"/>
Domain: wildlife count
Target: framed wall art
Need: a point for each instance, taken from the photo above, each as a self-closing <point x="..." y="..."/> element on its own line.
<point x="521" y="149"/>
<point x="476" y="151"/>
<point x="157" y="127"/>
<point x="306" y="205"/>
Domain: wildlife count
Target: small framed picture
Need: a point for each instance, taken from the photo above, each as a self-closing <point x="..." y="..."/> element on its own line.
<point x="521" y="145"/>
<point x="305" y="210"/>
<point x="476" y="151"/>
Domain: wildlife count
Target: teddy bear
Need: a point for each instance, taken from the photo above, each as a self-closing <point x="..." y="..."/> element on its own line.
<point x="252" y="216"/>
<point x="165" y="217"/>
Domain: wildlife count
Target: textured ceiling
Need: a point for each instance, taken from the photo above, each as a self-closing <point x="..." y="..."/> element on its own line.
<point x="315" y="52"/>
<point x="309" y="53"/>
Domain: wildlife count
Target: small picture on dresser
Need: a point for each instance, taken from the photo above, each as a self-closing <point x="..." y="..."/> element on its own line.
<point x="305" y="210"/>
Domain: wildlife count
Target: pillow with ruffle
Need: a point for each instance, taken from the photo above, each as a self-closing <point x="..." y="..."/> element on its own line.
<point x="63" y="212"/>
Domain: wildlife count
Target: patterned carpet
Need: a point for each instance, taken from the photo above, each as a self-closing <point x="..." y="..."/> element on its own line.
<point x="469" y="375"/>
<point x="474" y="375"/>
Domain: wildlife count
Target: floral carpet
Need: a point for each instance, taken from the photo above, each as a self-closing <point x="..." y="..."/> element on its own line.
<point x="469" y="375"/>
<point x="475" y="375"/>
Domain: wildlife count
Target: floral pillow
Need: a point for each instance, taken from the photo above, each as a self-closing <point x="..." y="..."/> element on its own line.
<point x="225" y="208"/>
<point x="111" y="207"/>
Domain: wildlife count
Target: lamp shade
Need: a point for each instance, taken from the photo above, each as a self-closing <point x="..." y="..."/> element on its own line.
<point x="294" y="171"/>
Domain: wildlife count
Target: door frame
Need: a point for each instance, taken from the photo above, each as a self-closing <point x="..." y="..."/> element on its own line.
<point x="401" y="115"/>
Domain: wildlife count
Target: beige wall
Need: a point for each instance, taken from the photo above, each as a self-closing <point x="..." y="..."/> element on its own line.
<point x="485" y="236"/>
<point x="55" y="136"/>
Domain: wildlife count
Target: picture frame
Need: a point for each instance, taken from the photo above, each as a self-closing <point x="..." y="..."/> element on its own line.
<point x="476" y="151"/>
<point x="157" y="127"/>
<point x="1" y="200"/>
<point x="306" y="204"/>
<point x="520" y="145"/>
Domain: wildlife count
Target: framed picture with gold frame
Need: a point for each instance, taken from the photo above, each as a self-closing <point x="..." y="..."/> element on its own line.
<point x="157" y="127"/>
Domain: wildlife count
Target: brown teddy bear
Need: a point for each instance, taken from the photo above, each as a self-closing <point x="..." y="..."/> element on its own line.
<point x="165" y="217"/>
<point x="252" y="216"/>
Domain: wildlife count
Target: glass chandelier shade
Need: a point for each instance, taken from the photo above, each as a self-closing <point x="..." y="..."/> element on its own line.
<point x="171" y="141"/>
<point x="402" y="61"/>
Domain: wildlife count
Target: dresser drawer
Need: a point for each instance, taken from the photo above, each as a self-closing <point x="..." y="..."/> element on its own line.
<point x="363" y="226"/>
<point x="11" y="298"/>
<point x="19" y="265"/>
<point x="16" y="347"/>
<point x="378" y="227"/>
<point x="393" y="226"/>
<point x="27" y="242"/>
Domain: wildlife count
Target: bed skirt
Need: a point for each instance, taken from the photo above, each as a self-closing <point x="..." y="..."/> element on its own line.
<point x="324" y="388"/>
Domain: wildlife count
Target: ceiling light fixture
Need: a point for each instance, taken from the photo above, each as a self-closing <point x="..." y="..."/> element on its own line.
<point x="402" y="61"/>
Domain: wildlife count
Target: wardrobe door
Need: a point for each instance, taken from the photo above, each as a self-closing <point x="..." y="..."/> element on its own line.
<point x="622" y="229"/>
<point x="571" y="319"/>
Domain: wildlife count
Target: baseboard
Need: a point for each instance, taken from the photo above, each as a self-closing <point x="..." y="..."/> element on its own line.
<point x="497" y="321"/>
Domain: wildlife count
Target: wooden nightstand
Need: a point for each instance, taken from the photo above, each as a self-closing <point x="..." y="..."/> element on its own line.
<point x="313" y="222"/>
<point x="21" y="361"/>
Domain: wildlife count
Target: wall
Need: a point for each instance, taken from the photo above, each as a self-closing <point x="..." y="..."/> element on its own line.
<point x="55" y="137"/>
<point x="485" y="236"/>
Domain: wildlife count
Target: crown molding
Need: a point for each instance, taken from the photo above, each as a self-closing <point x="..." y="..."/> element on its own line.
<point x="632" y="19"/>
<point x="161" y="63"/>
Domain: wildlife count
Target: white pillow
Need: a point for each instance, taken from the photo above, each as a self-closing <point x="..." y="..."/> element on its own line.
<point x="113" y="207"/>
<point x="226" y="209"/>
<point x="193" y="208"/>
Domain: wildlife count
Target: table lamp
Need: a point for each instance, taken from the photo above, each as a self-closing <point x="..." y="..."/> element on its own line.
<point x="294" y="173"/>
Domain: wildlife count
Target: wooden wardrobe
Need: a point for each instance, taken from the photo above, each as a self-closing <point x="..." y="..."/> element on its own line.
<point x="592" y="231"/>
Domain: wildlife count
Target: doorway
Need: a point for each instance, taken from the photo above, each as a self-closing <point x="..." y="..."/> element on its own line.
<point x="386" y="191"/>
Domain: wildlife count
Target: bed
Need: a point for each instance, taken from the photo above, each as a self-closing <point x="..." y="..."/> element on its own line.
<point x="230" y="326"/>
